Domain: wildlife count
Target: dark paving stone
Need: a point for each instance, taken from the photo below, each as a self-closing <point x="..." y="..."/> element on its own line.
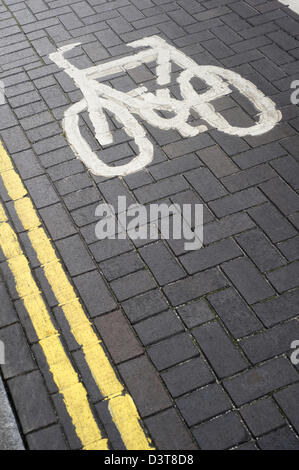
<point x="47" y="439"/>
<point x="162" y="263"/>
<point x="118" y="336"/>
<point x="196" y="313"/>
<point x="75" y="255"/>
<point x="187" y="376"/>
<point x="168" y="431"/>
<point x="172" y="351"/>
<point x="248" y="280"/>
<point x="287" y="400"/>
<point x="30" y="397"/>
<point x="234" y="312"/>
<point x="282" y="439"/>
<point x="94" y="293"/>
<point x="203" y="404"/>
<point x="18" y="359"/>
<point x="145" y="305"/>
<point x="220" y="351"/>
<point x="261" y="380"/>
<point x="262" y="416"/>
<point x="158" y="327"/>
<point x="221" y="433"/>
<point x="278" y="309"/>
<point x="270" y="343"/>
<point x="144" y="385"/>
<point x="193" y="287"/>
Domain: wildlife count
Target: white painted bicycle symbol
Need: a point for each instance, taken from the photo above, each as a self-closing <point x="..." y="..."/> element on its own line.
<point x="100" y="98"/>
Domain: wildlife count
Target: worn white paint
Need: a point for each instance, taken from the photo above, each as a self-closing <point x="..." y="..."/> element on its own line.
<point x="292" y="4"/>
<point x="99" y="97"/>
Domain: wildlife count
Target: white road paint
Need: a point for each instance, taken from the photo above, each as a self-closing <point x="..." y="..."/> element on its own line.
<point x="99" y="97"/>
<point x="292" y="4"/>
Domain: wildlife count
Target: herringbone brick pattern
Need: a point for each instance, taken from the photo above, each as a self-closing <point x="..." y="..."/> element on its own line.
<point x="201" y="340"/>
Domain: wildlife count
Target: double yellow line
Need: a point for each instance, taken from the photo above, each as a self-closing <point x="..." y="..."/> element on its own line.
<point x="121" y="406"/>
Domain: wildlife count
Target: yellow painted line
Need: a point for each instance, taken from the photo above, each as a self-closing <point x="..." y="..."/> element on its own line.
<point x="121" y="406"/>
<point x="64" y="375"/>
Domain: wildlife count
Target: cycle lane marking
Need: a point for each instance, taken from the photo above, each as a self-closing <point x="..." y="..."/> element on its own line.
<point x="292" y="4"/>
<point x="120" y="404"/>
<point x="98" y="98"/>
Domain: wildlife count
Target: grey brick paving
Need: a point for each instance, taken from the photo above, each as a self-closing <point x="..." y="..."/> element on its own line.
<point x="202" y="339"/>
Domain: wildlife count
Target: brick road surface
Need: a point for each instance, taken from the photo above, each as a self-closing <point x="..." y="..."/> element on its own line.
<point x="200" y="340"/>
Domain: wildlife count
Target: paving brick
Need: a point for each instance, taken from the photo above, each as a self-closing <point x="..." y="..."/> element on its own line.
<point x="75" y="255"/>
<point x="47" y="439"/>
<point x="206" y="184"/>
<point x="203" y="404"/>
<point x="15" y="139"/>
<point x="121" y="265"/>
<point x="220" y="351"/>
<point x="290" y="248"/>
<point x="221" y="433"/>
<point x="287" y="400"/>
<point x="278" y="309"/>
<point x="176" y="166"/>
<point x="270" y="343"/>
<point x="262" y="416"/>
<point x="168" y="431"/>
<point x="247" y="178"/>
<point x="30" y="396"/>
<point x="94" y="293"/>
<point x="7" y="311"/>
<point x="162" y="189"/>
<point x="248" y="280"/>
<point x="162" y="263"/>
<point x="259" y="155"/>
<point x="63" y="170"/>
<point x="172" y="351"/>
<point x="109" y="248"/>
<point x="57" y="221"/>
<point x="237" y="202"/>
<point x="259" y="249"/>
<point x="285" y="198"/>
<point x="158" y="327"/>
<point x="234" y="312"/>
<point x="187" y="377"/>
<point x="193" y="287"/>
<point x="210" y="256"/>
<point x="226" y="227"/>
<point x="260" y="380"/>
<point x="132" y="285"/>
<point x="196" y="313"/>
<point x="288" y="168"/>
<point x="144" y="385"/>
<point x="145" y="305"/>
<point x="217" y="161"/>
<point x="41" y="191"/>
<point x="285" y="278"/>
<point x="281" y="439"/>
<point x="118" y="336"/>
<point x="73" y="183"/>
<point x="272" y="222"/>
<point x="7" y="118"/>
<point x="18" y="359"/>
<point x="189" y="145"/>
